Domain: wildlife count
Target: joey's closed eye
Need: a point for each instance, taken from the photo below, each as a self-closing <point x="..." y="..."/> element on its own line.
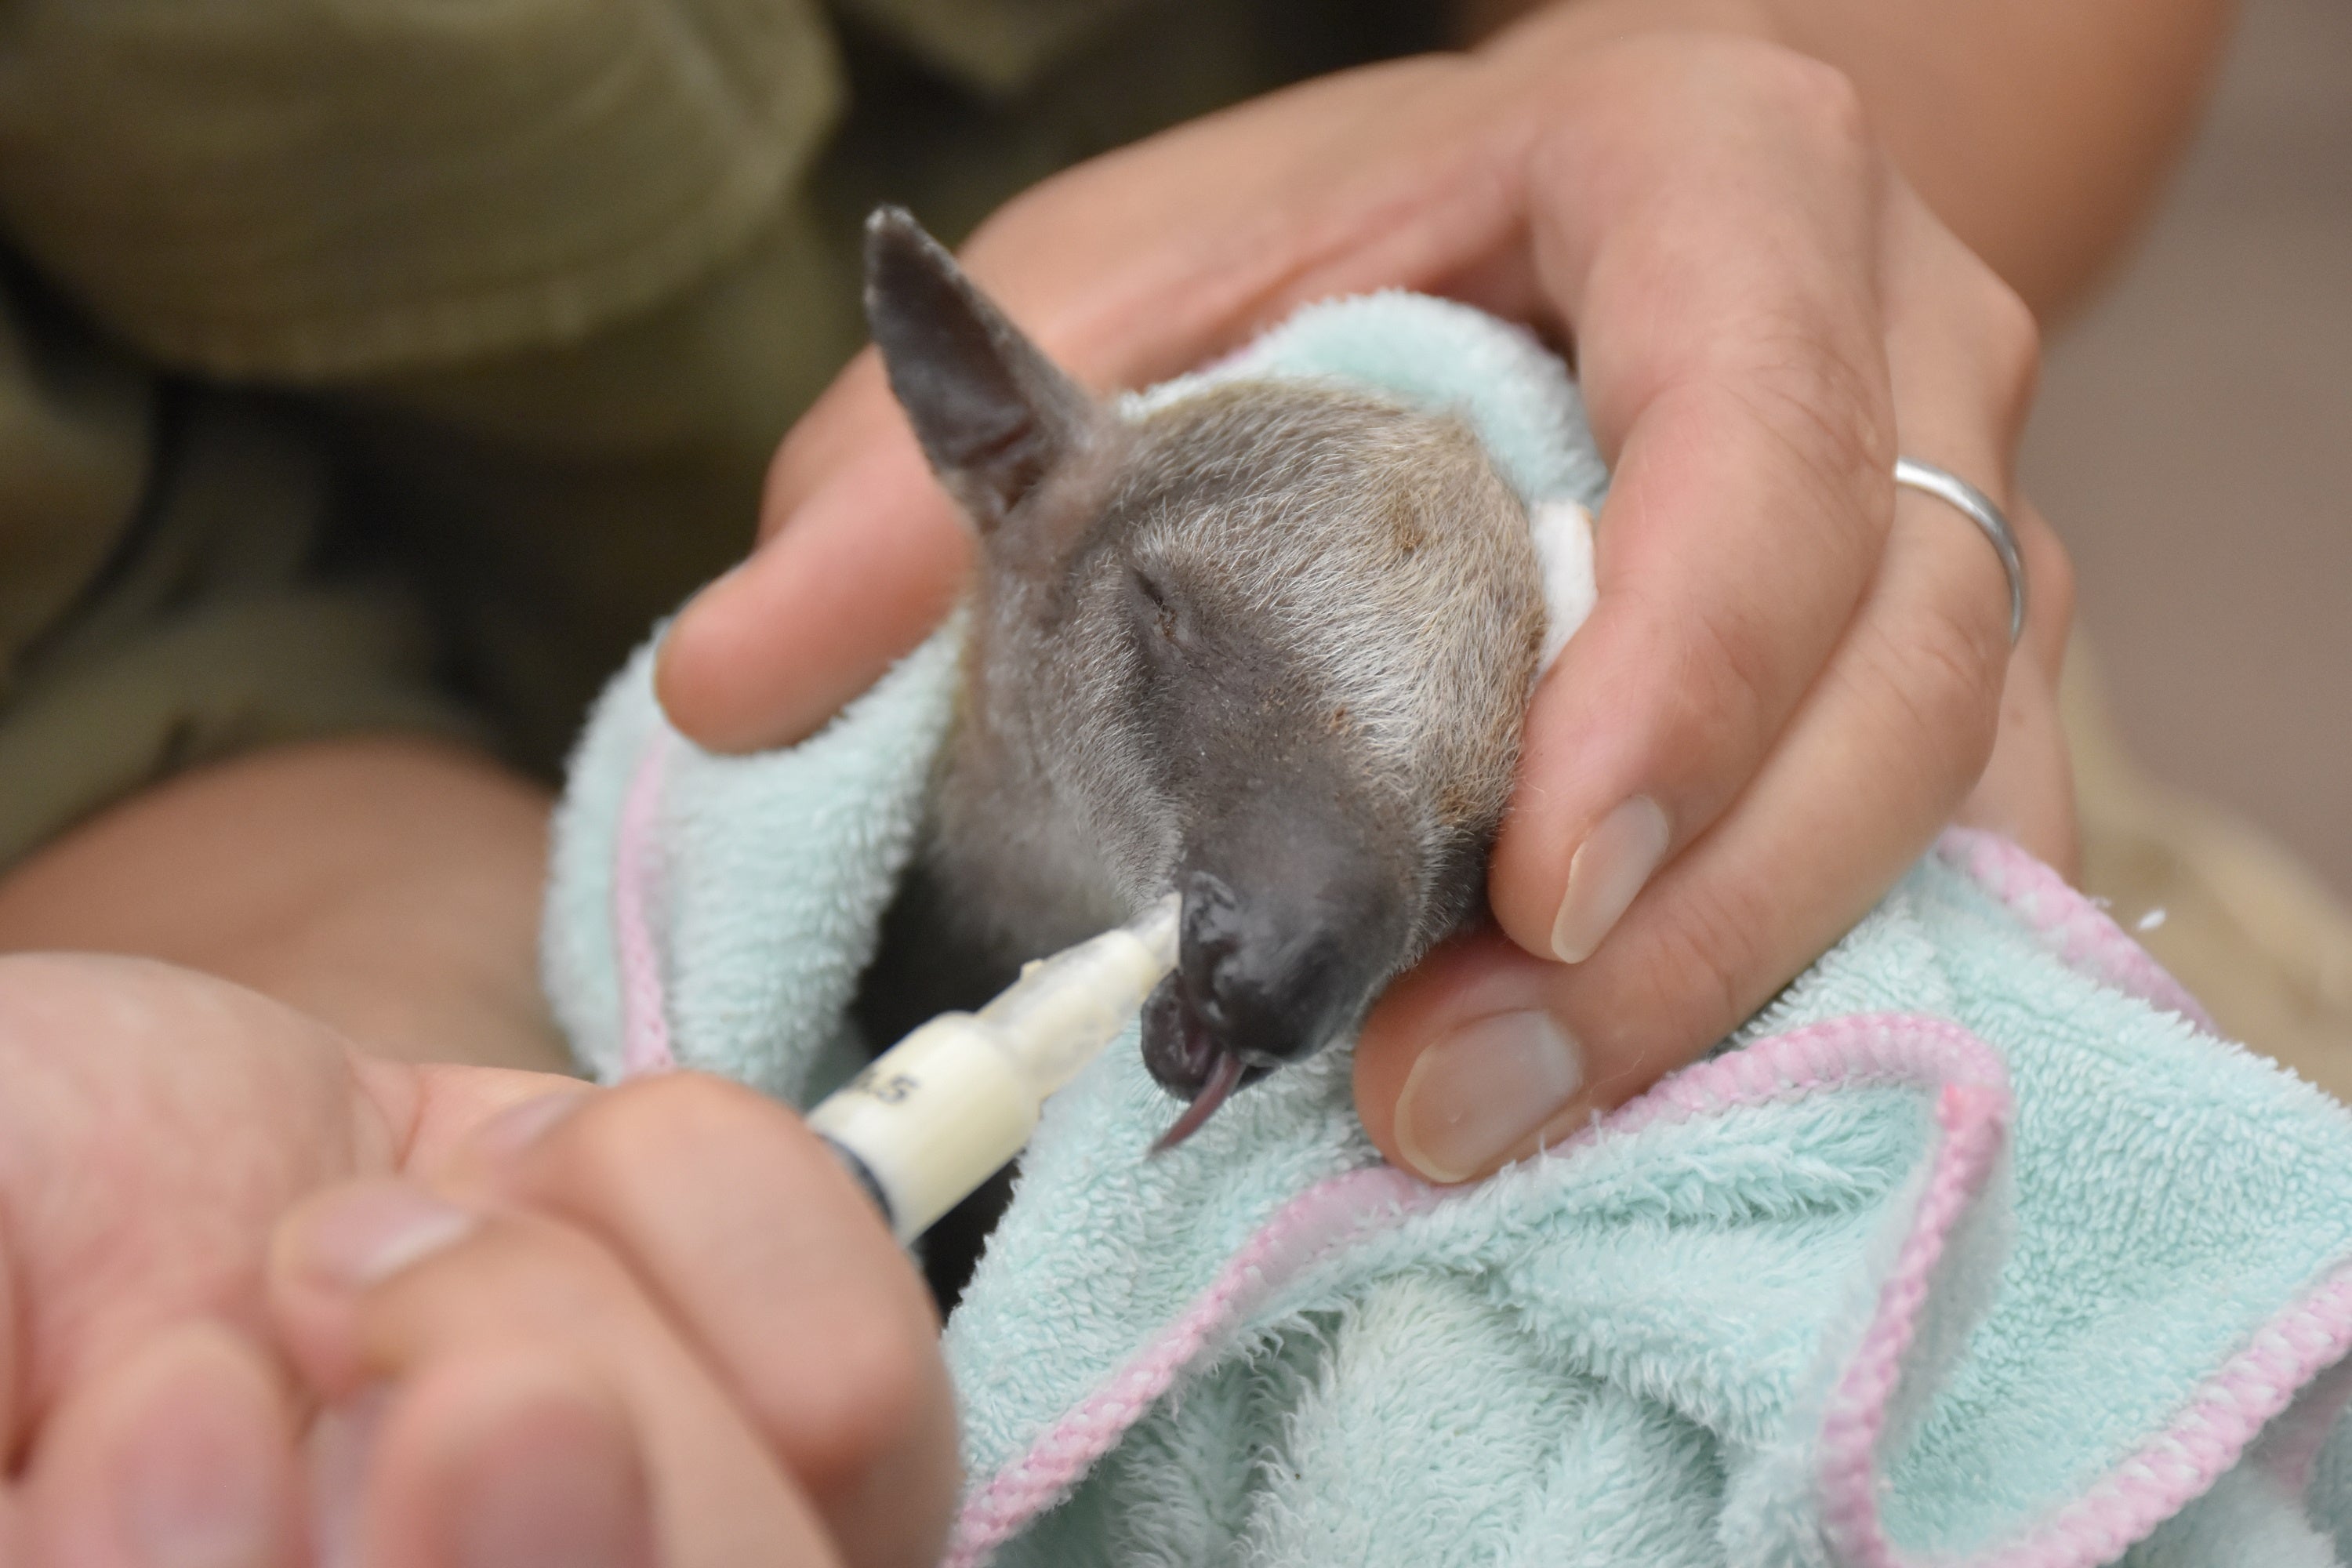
<point x="1158" y="605"/>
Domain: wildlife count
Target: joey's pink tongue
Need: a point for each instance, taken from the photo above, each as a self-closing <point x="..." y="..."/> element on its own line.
<point x="1223" y="1079"/>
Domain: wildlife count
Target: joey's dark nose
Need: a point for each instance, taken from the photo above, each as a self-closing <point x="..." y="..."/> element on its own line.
<point x="1264" y="976"/>
<point x="1271" y="977"/>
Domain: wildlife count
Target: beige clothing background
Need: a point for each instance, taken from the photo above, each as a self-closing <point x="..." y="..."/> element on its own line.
<point x="396" y="362"/>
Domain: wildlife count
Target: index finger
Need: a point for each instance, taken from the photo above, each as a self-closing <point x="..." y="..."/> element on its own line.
<point x="1722" y="267"/>
<point x="752" y="1239"/>
<point x="1776" y="698"/>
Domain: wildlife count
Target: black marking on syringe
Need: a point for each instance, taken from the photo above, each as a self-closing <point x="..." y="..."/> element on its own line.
<point x="863" y="1174"/>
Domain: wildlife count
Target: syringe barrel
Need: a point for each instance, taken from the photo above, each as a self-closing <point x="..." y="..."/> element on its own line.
<point x="1067" y="1008"/>
<point x="945" y="1107"/>
<point x="933" y="1118"/>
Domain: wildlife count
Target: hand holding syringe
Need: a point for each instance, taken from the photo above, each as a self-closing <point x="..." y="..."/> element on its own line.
<point x="946" y="1107"/>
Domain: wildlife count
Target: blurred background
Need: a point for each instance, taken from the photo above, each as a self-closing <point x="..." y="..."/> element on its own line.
<point x="2193" y="444"/>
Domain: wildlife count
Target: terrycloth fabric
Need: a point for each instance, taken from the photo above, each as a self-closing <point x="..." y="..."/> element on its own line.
<point x="1973" y="1248"/>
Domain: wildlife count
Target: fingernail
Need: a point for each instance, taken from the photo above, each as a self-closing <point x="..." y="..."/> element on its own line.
<point x="520" y="1126"/>
<point x="195" y="1486"/>
<point x="369" y="1235"/>
<point x="1474" y="1095"/>
<point x="1609" y="867"/>
<point x="339" y="1452"/>
<point x="565" y="1492"/>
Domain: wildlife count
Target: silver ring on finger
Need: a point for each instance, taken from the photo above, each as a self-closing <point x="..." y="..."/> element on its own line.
<point x="1956" y="491"/>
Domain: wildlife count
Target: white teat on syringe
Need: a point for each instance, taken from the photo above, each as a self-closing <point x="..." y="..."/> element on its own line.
<point x="945" y="1109"/>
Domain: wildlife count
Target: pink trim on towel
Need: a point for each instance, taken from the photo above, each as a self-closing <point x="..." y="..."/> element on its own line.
<point x="2077" y="931"/>
<point x="1846" y="1053"/>
<point x="2290" y="1446"/>
<point x="1308" y="1226"/>
<point x="2165" y="1474"/>
<point x="1972" y="1121"/>
<point x="636" y="955"/>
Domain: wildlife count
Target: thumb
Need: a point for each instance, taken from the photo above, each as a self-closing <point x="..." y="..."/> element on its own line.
<point x="1462" y="1067"/>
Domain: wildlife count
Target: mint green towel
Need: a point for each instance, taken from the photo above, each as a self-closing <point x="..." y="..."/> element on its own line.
<point x="1974" y="1248"/>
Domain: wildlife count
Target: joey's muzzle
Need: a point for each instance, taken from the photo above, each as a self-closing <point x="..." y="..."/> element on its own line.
<point x="1279" y="953"/>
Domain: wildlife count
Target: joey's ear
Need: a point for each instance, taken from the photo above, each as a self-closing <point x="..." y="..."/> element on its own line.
<point x="993" y="413"/>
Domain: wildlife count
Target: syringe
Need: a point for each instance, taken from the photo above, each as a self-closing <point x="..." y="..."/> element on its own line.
<point x="944" y="1108"/>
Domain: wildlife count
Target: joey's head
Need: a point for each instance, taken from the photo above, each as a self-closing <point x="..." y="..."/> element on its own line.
<point x="1267" y="643"/>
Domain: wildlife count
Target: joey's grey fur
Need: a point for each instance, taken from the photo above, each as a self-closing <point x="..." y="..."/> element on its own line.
<point x="1269" y="644"/>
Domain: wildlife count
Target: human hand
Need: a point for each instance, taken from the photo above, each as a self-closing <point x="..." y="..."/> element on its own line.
<point x="651" y="1325"/>
<point x="160" y="1124"/>
<point x="387" y="886"/>
<point x="1793" y="678"/>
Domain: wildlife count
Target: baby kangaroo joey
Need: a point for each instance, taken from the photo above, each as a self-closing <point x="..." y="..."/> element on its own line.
<point x="1268" y="645"/>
